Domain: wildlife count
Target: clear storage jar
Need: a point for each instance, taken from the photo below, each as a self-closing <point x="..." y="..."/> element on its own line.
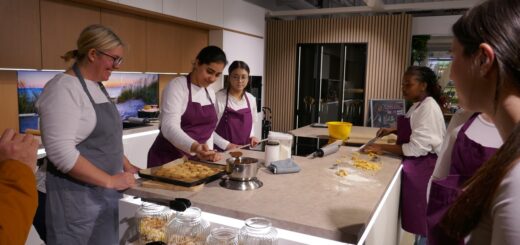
<point x="222" y="236"/>
<point x="258" y="231"/>
<point x="152" y="220"/>
<point x="188" y="228"/>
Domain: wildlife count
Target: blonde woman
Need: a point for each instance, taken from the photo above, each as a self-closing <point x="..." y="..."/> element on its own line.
<point x="82" y="135"/>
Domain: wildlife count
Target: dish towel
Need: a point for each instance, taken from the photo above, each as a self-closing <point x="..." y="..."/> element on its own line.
<point x="286" y="166"/>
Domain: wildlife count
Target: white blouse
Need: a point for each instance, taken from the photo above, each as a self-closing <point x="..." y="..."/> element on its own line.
<point x="174" y="101"/>
<point x="428" y="128"/>
<point x="501" y="225"/>
<point x="235" y="104"/>
<point x="67" y="117"/>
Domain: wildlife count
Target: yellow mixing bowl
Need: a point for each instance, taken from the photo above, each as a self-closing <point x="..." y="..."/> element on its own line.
<point x="339" y="130"/>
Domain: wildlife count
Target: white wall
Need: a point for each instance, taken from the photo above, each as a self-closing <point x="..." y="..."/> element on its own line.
<point x="246" y="48"/>
<point x="434" y="25"/>
<point x="216" y="38"/>
<point x="242" y="16"/>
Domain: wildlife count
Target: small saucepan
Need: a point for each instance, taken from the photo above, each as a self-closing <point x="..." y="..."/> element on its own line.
<point x="242" y="168"/>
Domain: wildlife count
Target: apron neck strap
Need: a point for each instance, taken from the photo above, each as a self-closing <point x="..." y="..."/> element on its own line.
<point x="77" y="71"/>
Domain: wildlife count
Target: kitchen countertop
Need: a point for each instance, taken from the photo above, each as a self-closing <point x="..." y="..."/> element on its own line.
<point x="358" y="135"/>
<point x="314" y="201"/>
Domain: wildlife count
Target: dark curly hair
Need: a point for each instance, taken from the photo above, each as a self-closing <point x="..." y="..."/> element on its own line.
<point x="426" y="75"/>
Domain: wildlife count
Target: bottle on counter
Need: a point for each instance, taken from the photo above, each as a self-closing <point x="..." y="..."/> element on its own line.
<point x="272" y="152"/>
<point x="257" y="231"/>
<point x="285" y="141"/>
<point x="188" y="227"/>
<point x="151" y="222"/>
<point x="222" y="236"/>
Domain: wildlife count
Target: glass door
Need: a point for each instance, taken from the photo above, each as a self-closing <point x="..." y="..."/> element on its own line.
<point x="354" y="83"/>
<point x="307" y="84"/>
<point x="330" y="83"/>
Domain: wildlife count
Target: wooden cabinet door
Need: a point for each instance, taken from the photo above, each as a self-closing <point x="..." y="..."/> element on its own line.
<point x="132" y="30"/>
<point x="9" y="100"/>
<point x="20" y="39"/>
<point x="61" y="24"/>
<point x="192" y="40"/>
<point x="163" y="47"/>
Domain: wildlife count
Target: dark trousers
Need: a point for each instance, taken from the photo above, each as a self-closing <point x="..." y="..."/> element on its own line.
<point x="39" y="217"/>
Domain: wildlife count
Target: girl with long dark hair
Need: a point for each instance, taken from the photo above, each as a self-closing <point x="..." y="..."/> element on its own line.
<point x="486" y="72"/>
<point x="236" y="109"/>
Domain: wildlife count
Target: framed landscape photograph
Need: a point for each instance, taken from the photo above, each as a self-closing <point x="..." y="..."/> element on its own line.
<point x="129" y="91"/>
<point x="384" y="113"/>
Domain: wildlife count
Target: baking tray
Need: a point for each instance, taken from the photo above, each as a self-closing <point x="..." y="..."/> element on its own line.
<point x="149" y="174"/>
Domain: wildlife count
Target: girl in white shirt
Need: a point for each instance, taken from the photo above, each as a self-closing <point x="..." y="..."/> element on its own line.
<point x="419" y="137"/>
<point x="236" y="110"/>
<point x="486" y="72"/>
<point x="188" y="116"/>
<point x="471" y="141"/>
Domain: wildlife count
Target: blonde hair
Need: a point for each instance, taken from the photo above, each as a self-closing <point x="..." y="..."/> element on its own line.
<point x="93" y="37"/>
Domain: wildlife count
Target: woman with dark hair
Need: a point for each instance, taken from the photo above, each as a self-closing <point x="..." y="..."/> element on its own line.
<point x="486" y="72"/>
<point x="420" y="134"/>
<point x="188" y="116"/>
<point x="472" y="138"/>
<point x="236" y="109"/>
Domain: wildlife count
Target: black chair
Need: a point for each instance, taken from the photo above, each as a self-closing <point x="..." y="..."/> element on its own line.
<point x="353" y="111"/>
<point x="266" y="121"/>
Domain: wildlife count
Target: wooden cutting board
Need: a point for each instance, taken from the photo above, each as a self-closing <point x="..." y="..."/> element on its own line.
<point x="171" y="187"/>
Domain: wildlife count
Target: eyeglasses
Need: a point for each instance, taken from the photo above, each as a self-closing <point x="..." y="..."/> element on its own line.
<point x="117" y="60"/>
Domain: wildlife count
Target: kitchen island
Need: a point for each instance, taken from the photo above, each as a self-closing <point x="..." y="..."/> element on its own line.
<point x="314" y="206"/>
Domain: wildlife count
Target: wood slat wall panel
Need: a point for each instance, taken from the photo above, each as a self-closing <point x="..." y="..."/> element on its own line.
<point x="389" y="47"/>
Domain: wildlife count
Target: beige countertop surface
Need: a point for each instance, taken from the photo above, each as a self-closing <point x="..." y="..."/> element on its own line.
<point x="358" y="135"/>
<point x="314" y="201"/>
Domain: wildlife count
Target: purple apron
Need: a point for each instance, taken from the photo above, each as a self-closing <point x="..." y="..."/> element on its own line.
<point x="235" y="126"/>
<point x="198" y="122"/>
<point x="414" y="182"/>
<point x="466" y="158"/>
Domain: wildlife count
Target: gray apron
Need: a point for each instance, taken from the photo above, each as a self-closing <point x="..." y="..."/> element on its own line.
<point x="79" y="213"/>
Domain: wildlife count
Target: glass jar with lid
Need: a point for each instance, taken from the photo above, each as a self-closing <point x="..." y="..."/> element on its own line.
<point x="188" y="227"/>
<point x="151" y="222"/>
<point x="222" y="236"/>
<point x="258" y="231"/>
